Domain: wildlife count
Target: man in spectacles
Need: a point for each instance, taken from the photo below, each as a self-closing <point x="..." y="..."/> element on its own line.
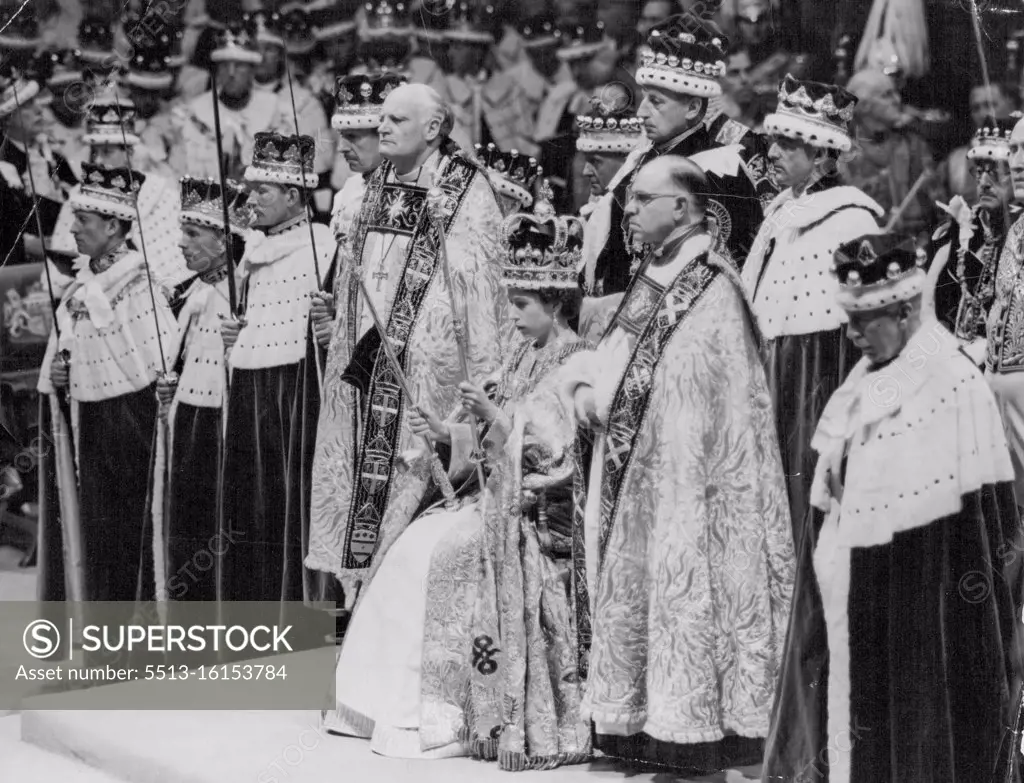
<point x="686" y="489"/>
<point x="684" y="64"/>
<point x="966" y="248"/>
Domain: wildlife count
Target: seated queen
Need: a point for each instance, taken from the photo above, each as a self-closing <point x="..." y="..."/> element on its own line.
<point x="466" y="642"/>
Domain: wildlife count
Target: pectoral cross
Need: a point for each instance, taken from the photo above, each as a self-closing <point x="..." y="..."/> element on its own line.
<point x="380" y="276"/>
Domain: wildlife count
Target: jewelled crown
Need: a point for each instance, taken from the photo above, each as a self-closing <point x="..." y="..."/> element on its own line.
<point x="684" y="54"/>
<point x="201" y="204"/>
<point x="608" y="127"/>
<point x="159" y="35"/>
<point x="266" y="27"/>
<point x="992" y="140"/>
<point x="110" y="192"/>
<point x="386" y="19"/>
<point x="579" y="41"/>
<point x="15" y="89"/>
<point x="538" y="31"/>
<point x="151" y="63"/>
<point x="282" y="160"/>
<point x="815" y="113"/>
<point x="237" y="44"/>
<point x="297" y="29"/>
<point x="543" y="247"/>
<point x="471" y="22"/>
<point x="20" y="27"/>
<point x="96" y="41"/>
<point x="64" y="70"/>
<point x="511" y="173"/>
<point x="876" y="270"/>
<point x="108" y="114"/>
<point x="333" y="18"/>
<point x="358" y="99"/>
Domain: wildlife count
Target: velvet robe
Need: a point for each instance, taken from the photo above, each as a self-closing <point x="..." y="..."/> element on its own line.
<point x="901" y="662"/>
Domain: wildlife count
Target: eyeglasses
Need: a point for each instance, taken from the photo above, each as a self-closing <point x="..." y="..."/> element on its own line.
<point x="643" y="199"/>
<point x="988" y="168"/>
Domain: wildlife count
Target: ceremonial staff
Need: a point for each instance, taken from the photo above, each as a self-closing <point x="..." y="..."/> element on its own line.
<point x="232" y="291"/>
<point x="309" y="220"/>
<point x="161" y="433"/>
<point x="142" y="236"/>
<point x="71" y="534"/>
<point x="436" y="468"/>
<point x="435" y="206"/>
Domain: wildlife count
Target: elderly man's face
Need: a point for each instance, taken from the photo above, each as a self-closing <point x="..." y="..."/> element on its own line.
<point x="403" y="127"/>
<point x="665" y="114"/>
<point x="880" y="334"/>
<point x="995" y="188"/>
<point x="203" y="247"/>
<point x="360" y="149"/>
<point x="654" y="207"/>
<point x="988" y="102"/>
<point x="1017" y="160"/>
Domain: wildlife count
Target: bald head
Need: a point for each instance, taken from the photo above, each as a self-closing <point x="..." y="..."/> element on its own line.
<point x="668" y="193"/>
<point x="879" y="104"/>
<point x="414" y="122"/>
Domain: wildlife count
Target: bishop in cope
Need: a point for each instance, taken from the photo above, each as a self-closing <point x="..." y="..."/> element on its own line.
<point x="688" y="543"/>
<point x="363" y="497"/>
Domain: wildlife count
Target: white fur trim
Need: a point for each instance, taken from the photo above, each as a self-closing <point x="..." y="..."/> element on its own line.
<point x="64" y="78"/>
<point x="817" y="134"/>
<point x="269" y="38"/>
<point x="621" y="143"/>
<point x="22" y="44"/>
<point x="570" y="53"/>
<point x="537" y="43"/>
<point x="468" y="36"/>
<point x="236" y="54"/>
<point x="674" y="80"/>
<point x="398" y="33"/>
<point x="114" y="139"/>
<point x="260" y="174"/>
<point x="989" y="152"/>
<point x="26" y="92"/>
<point x="507" y="188"/>
<point x="202" y="219"/>
<point x="281" y="274"/>
<point x="99" y="57"/>
<point x="871" y="297"/>
<point x="832" y="571"/>
<point x="88" y="203"/>
<point x="356" y="120"/>
<point x="930" y="400"/>
<point x="149" y="81"/>
<point x="335" y="30"/>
